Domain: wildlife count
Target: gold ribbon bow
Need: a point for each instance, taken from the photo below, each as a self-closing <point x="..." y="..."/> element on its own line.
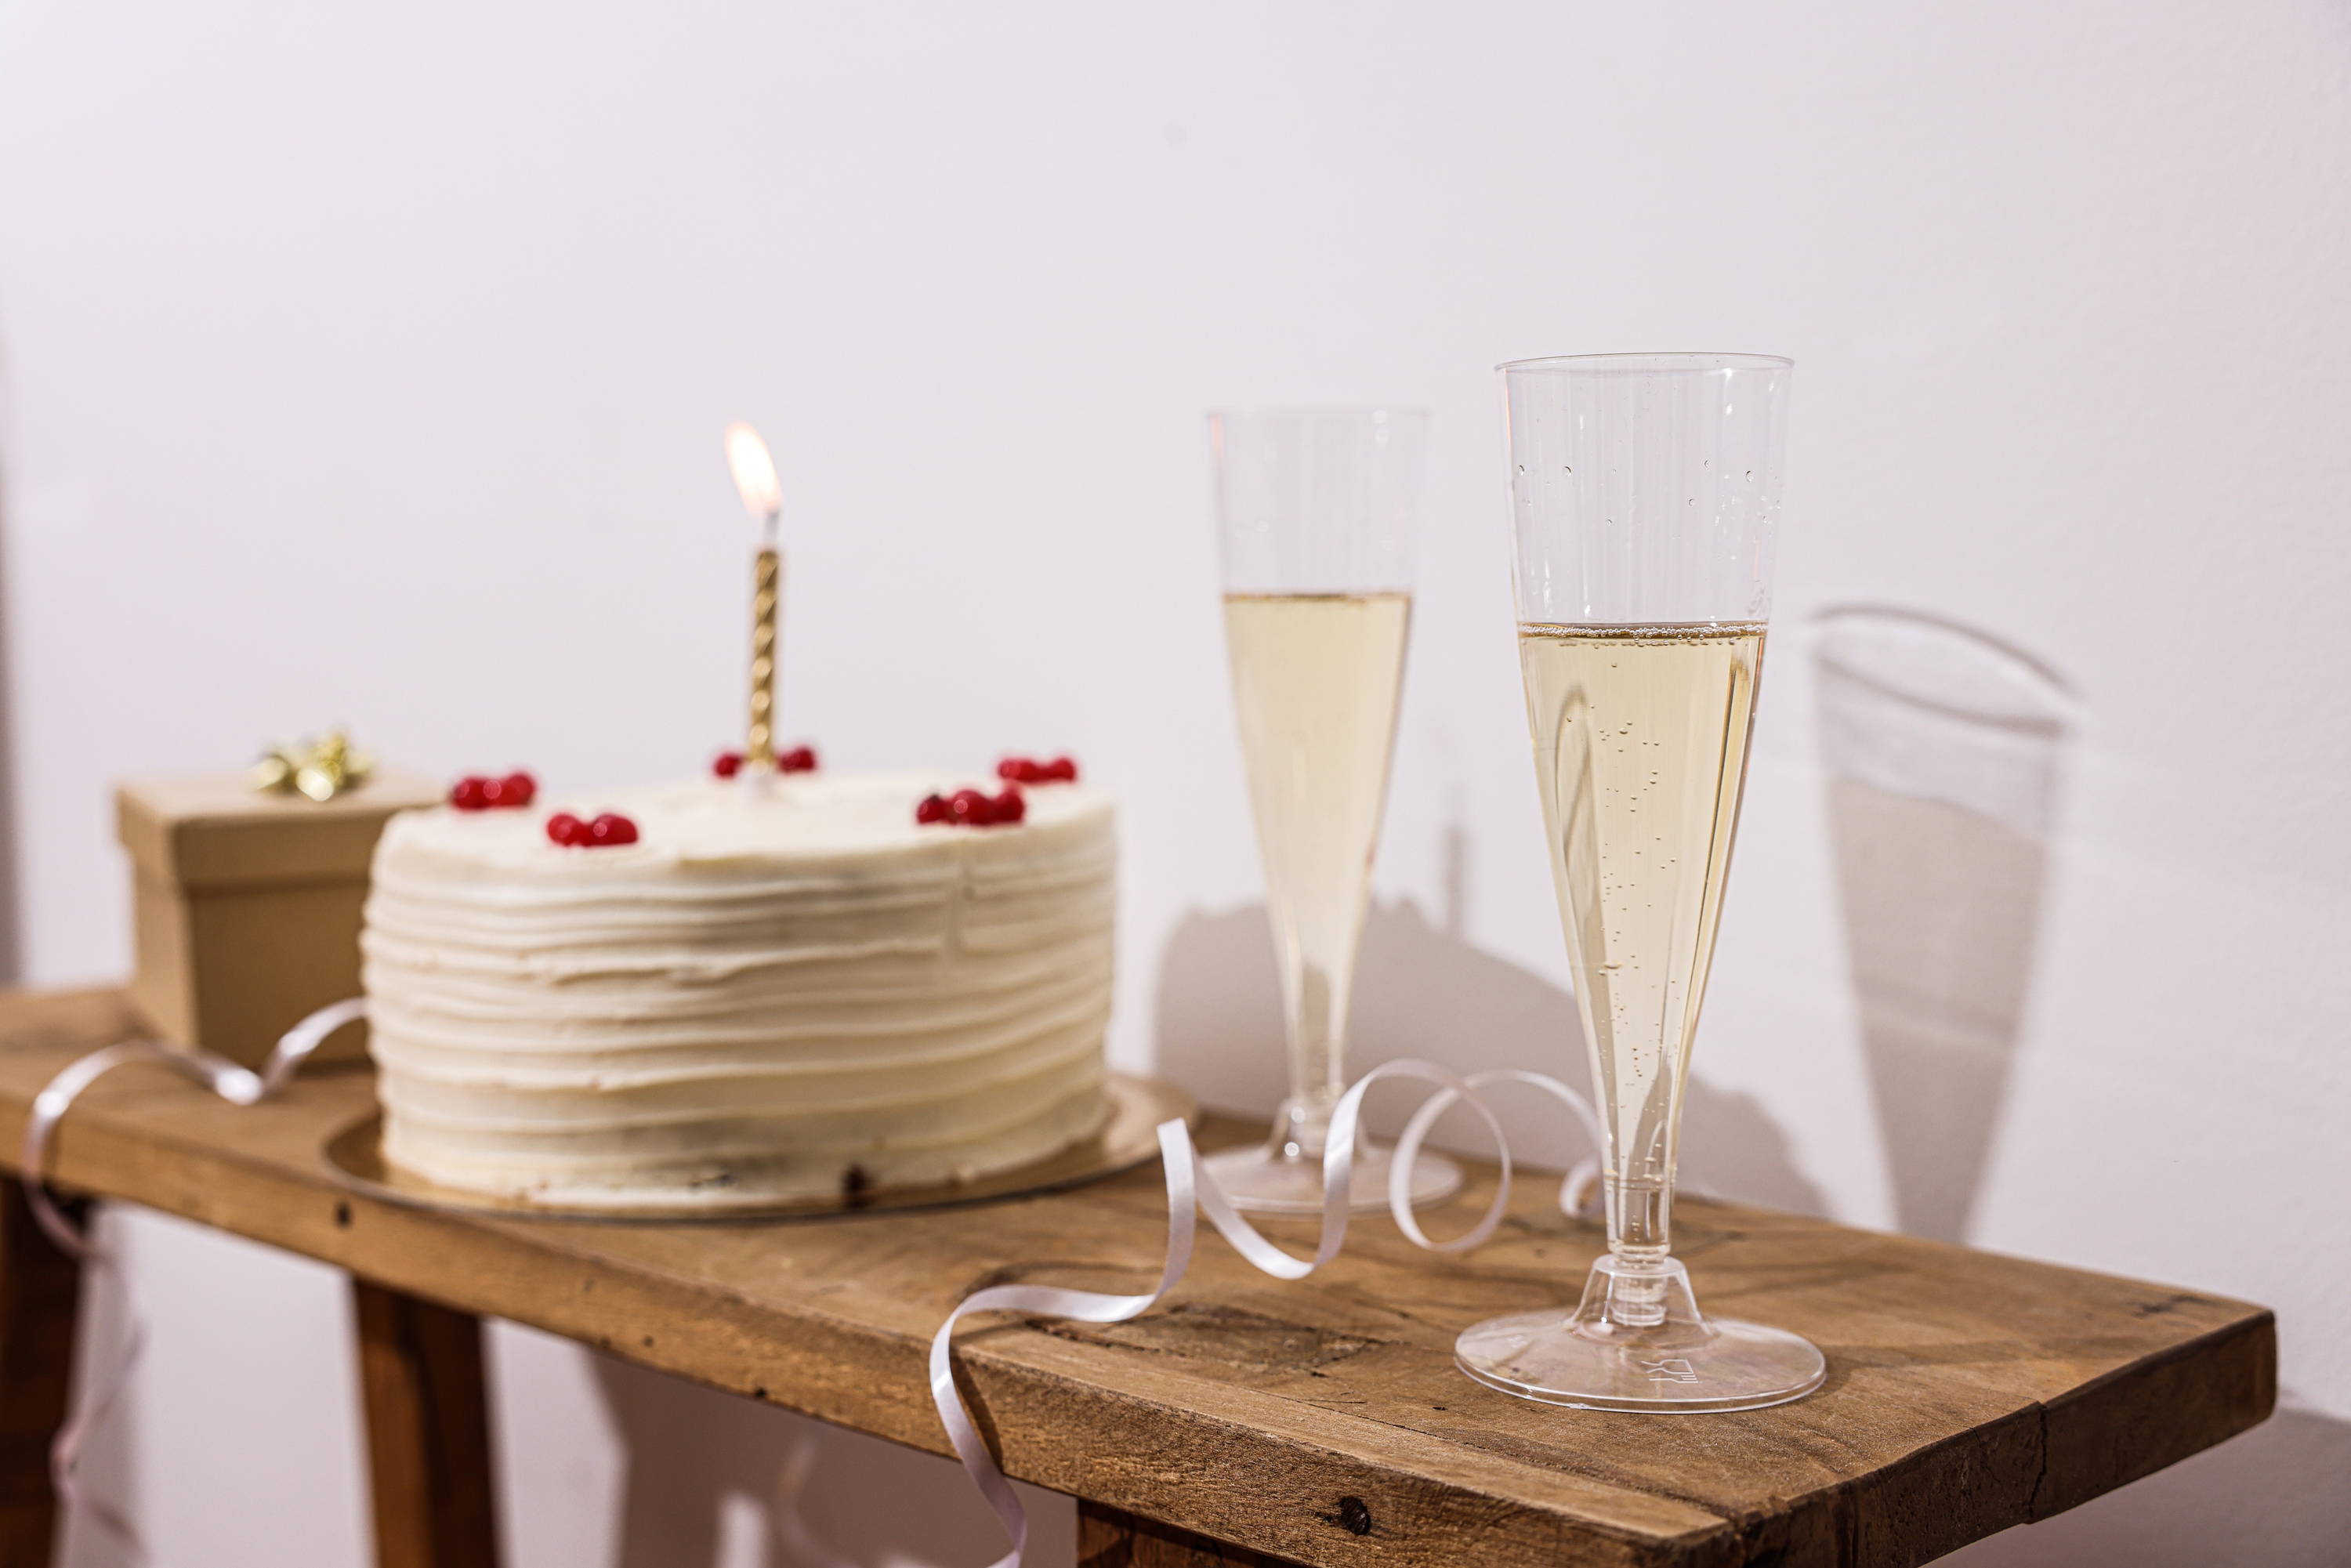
<point x="320" y="769"/>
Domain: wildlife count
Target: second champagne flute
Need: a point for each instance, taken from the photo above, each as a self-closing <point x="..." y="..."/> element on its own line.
<point x="1643" y="494"/>
<point x="1317" y="510"/>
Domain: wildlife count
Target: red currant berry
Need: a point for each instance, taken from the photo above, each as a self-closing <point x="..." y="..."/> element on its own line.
<point x="610" y="830"/>
<point x="1009" y="805"/>
<point x="798" y="759"/>
<point x="970" y="809"/>
<point x="471" y="793"/>
<point x="1013" y="768"/>
<point x="932" y="808"/>
<point x="517" y="789"/>
<point x="727" y="764"/>
<point x="1061" y="770"/>
<point x="567" y="829"/>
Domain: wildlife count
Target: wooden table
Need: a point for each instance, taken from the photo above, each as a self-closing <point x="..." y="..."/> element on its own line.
<point x="1322" y="1423"/>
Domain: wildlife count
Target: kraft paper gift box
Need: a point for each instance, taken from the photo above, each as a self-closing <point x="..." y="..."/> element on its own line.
<point x="247" y="905"/>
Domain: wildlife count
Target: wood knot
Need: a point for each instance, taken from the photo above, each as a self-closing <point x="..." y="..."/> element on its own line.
<point x="1354" y="1516"/>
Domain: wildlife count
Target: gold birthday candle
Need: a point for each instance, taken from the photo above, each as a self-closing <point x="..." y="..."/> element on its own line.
<point x="754" y="478"/>
<point x="760" y="748"/>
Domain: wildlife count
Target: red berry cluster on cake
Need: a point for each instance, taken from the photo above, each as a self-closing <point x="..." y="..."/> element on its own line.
<point x="480" y="793"/>
<point x="798" y="759"/>
<point x="741" y="989"/>
<point x="970" y="808"/>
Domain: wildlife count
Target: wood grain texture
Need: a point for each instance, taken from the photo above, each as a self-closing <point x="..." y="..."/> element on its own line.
<point x="1966" y="1392"/>
<point x="428" y="1432"/>
<point x="1109" y="1539"/>
<point x="40" y="1291"/>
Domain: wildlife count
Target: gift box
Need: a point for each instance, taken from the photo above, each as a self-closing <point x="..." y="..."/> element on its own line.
<point x="247" y="905"/>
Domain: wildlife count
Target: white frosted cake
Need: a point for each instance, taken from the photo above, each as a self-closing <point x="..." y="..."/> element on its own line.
<point x="774" y="994"/>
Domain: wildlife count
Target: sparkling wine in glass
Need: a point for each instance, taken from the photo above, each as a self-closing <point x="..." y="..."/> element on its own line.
<point x="1644" y="491"/>
<point x="1316" y="508"/>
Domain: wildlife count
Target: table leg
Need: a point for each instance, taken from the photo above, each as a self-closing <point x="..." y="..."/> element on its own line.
<point x="428" y="1432"/>
<point x="1108" y="1538"/>
<point x="41" y="1291"/>
<point x="40" y="1288"/>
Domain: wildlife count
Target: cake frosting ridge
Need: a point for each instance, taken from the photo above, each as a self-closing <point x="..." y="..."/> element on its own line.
<point x="782" y="989"/>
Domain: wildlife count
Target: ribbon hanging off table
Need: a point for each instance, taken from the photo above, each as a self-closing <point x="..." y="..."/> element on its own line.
<point x="1192" y="1191"/>
<point x="238" y="1085"/>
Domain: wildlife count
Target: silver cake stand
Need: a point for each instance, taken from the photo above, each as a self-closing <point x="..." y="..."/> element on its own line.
<point x="1136" y="1107"/>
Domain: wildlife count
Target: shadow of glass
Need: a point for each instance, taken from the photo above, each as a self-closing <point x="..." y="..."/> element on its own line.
<point x="708" y="1484"/>
<point x="1423" y="991"/>
<point x="1943" y="751"/>
<point x="2274" y="1497"/>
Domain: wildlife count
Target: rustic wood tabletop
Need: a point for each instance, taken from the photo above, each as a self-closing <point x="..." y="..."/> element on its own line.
<point x="1319" y="1422"/>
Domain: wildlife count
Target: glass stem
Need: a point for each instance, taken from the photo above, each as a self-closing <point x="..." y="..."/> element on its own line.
<point x="1640" y="1235"/>
<point x="1301" y="1131"/>
<point x="1317" y="1066"/>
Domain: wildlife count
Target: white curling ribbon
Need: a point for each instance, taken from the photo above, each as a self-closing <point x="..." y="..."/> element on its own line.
<point x="1192" y="1191"/>
<point x="236" y="1084"/>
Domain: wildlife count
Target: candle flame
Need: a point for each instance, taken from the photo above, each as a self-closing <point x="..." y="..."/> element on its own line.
<point x="755" y="472"/>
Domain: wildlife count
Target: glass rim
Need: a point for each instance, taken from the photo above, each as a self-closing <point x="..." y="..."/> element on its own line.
<point x="1699" y="362"/>
<point x="1317" y="411"/>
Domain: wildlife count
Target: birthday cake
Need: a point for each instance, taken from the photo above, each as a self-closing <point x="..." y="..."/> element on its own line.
<point x="730" y="992"/>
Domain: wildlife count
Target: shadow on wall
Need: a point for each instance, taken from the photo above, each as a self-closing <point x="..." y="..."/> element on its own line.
<point x="707" y="1476"/>
<point x="2273" y="1497"/>
<point x="11" y="947"/>
<point x="1422" y="990"/>
<point x="1943" y="751"/>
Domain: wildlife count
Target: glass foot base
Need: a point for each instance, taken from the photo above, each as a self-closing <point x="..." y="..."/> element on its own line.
<point x="1260" y="1181"/>
<point x="1682" y="1362"/>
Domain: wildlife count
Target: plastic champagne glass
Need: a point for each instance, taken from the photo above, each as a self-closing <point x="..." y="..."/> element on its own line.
<point x="1644" y="489"/>
<point x="1317" y="510"/>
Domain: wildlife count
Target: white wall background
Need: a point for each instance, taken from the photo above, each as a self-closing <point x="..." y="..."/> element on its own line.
<point x="368" y="363"/>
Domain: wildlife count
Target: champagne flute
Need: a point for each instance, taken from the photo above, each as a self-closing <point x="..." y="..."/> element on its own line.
<point x="1644" y="490"/>
<point x="1316" y="510"/>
